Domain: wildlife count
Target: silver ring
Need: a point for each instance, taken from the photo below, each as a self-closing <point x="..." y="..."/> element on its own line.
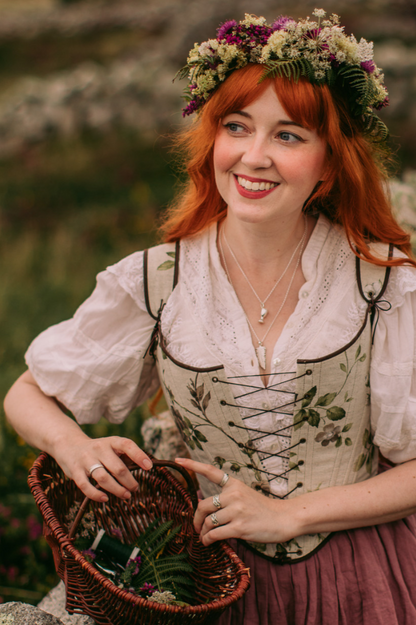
<point x="94" y="468"/>
<point x="216" y="501"/>
<point x="214" y="519"/>
<point x="224" y="480"/>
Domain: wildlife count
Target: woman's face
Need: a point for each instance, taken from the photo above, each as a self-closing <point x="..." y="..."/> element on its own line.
<point x="266" y="165"/>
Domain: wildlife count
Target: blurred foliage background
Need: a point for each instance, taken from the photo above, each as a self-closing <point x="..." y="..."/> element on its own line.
<point x="87" y="106"/>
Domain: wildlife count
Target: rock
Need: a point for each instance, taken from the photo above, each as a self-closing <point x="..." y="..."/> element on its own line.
<point x="54" y="603"/>
<point x="162" y="439"/>
<point x="16" y="613"/>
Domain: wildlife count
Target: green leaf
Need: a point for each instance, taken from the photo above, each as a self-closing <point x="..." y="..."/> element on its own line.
<point x="219" y="461"/>
<point x="359" y="462"/>
<point x="171" y="254"/>
<point x="299" y="415"/>
<point x="343" y="367"/>
<point x="363" y="357"/>
<point x="347" y="427"/>
<point x="358" y="352"/>
<point x="298" y="419"/>
<point x="335" y="413"/>
<point x="325" y="400"/>
<point x="201" y="437"/>
<point x="308" y="397"/>
<point x="293" y="465"/>
<point x="200" y="391"/>
<point x="188" y="423"/>
<point x="235" y="467"/>
<point x="206" y="400"/>
<point x="366" y="437"/>
<point x="168" y="264"/>
<point x="369" y="463"/>
<point x="348" y="442"/>
<point x="197" y="443"/>
<point x="314" y="417"/>
<point x="338" y="442"/>
<point x="191" y="444"/>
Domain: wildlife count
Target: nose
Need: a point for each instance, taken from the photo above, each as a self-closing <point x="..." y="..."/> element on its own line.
<point x="256" y="154"/>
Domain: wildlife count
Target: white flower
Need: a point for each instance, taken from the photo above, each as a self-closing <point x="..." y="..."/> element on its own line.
<point x="319" y="13"/>
<point x="205" y="49"/>
<point x="365" y="50"/>
<point x="162" y="597"/>
<point x="253" y="20"/>
<point x="275" y="43"/>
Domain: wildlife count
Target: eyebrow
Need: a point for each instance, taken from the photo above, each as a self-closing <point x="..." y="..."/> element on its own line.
<point x="282" y="122"/>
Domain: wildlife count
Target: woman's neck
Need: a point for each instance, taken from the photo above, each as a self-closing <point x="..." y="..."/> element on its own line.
<point x="258" y="247"/>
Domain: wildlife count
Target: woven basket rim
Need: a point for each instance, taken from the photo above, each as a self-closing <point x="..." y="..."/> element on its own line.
<point x="50" y="519"/>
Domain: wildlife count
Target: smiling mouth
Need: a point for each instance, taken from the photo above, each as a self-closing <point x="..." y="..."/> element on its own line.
<point x="255" y="186"/>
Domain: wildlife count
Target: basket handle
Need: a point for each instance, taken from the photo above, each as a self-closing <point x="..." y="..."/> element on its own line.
<point x="132" y="465"/>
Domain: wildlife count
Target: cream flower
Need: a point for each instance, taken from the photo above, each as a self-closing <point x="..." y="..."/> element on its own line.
<point x="253" y="20"/>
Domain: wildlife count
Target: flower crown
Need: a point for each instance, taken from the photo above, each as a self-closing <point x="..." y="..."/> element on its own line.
<point x="318" y="50"/>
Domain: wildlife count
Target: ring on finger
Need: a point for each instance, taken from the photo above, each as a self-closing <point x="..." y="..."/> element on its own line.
<point x="94" y="467"/>
<point x="224" y="480"/>
<point x="214" y="519"/>
<point x="216" y="501"/>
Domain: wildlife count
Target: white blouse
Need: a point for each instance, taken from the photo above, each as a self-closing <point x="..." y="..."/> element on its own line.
<point x="93" y="363"/>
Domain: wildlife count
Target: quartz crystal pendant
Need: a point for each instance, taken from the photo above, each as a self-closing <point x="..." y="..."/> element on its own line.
<point x="263" y="313"/>
<point x="261" y="356"/>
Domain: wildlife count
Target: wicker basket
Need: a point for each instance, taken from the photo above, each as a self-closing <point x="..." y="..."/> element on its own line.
<point x="220" y="576"/>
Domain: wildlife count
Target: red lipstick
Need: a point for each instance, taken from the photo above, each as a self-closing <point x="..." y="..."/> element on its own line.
<point x="253" y="195"/>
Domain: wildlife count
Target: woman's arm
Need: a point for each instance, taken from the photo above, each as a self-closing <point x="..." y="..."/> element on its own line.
<point x="38" y="419"/>
<point x="251" y="516"/>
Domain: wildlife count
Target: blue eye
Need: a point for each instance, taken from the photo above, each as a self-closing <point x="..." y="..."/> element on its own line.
<point x="288" y="137"/>
<point x="233" y="127"/>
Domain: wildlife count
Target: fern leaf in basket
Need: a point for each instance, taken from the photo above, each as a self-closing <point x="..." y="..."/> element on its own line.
<point x="164" y="573"/>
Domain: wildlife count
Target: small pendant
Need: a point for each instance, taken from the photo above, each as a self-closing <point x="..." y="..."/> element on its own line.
<point x="261" y="356"/>
<point x="263" y="313"/>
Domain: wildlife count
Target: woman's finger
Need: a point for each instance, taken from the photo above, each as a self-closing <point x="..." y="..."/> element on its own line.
<point x="213" y="474"/>
<point x="129" y="448"/>
<point x="207" y="507"/>
<point x="81" y="480"/>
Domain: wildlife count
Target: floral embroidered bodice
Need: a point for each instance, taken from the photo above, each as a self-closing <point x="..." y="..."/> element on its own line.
<point x="317" y="434"/>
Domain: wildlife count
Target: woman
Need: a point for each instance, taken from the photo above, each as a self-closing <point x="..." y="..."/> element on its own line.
<point x="285" y="294"/>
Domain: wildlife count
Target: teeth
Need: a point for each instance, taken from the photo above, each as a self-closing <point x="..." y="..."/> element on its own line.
<point x="256" y="186"/>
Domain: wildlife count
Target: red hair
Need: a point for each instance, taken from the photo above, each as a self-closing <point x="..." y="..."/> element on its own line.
<point x="353" y="193"/>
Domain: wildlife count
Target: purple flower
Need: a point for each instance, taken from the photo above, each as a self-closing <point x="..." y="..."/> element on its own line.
<point x="117" y="533"/>
<point x="34" y="527"/>
<point x="313" y="34"/>
<point x="5" y="512"/>
<point x="368" y="66"/>
<point x="385" y="102"/>
<point x="89" y="555"/>
<point x="136" y="562"/>
<point x="193" y="106"/>
<point x="225" y="28"/>
<point x="281" y="23"/>
<point x="147" y="589"/>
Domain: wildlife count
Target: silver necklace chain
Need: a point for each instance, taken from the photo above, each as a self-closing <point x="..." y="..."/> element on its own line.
<point x="263" y="309"/>
<point x="260" y="349"/>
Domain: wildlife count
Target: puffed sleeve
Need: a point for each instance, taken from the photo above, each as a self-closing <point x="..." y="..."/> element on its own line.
<point x="93" y="363"/>
<point x="393" y="374"/>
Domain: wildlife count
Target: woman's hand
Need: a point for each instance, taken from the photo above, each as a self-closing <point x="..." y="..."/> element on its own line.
<point x="39" y="420"/>
<point x="112" y="474"/>
<point x="244" y="513"/>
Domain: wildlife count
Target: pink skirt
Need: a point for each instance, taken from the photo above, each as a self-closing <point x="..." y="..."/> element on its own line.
<point x="365" y="576"/>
